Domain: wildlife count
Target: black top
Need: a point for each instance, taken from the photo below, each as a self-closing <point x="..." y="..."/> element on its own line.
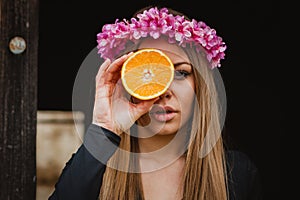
<point x="81" y="178"/>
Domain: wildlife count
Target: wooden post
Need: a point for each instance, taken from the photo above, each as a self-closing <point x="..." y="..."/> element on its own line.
<point x="18" y="98"/>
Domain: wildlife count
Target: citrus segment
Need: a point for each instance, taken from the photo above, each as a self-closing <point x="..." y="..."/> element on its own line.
<point x="147" y="73"/>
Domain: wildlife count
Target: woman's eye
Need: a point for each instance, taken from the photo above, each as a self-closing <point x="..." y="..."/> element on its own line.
<point x="181" y="74"/>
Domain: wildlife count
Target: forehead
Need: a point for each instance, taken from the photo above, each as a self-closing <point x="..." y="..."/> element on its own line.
<point x="175" y="53"/>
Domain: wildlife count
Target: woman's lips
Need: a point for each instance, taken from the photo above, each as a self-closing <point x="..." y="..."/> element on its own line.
<point x="163" y="113"/>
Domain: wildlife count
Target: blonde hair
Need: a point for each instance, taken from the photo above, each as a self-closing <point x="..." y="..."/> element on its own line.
<point x="204" y="173"/>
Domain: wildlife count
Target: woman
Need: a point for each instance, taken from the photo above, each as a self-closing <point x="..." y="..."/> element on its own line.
<point x="169" y="147"/>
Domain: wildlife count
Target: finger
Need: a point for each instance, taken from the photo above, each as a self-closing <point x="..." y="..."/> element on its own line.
<point x="103" y="68"/>
<point x="119" y="89"/>
<point x="117" y="64"/>
<point x="105" y="76"/>
<point x="123" y="90"/>
<point x="112" y="77"/>
<point x="120" y="86"/>
<point x="113" y="72"/>
<point x="143" y="107"/>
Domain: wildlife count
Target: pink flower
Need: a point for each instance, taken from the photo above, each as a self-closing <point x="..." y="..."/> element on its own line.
<point x="154" y="23"/>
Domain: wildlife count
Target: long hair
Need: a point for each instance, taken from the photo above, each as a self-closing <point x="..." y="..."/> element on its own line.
<point x="204" y="175"/>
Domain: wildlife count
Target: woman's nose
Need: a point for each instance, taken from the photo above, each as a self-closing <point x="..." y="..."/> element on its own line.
<point x="166" y="95"/>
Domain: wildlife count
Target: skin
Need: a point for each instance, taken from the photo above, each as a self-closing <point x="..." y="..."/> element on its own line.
<point x="121" y="113"/>
<point x="179" y="96"/>
<point x="110" y="95"/>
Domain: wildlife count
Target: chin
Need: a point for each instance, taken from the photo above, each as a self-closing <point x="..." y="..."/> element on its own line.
<point x="165" y="129"/>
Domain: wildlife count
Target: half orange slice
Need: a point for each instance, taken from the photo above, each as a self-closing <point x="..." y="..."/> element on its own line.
<point x="147" y="73"/>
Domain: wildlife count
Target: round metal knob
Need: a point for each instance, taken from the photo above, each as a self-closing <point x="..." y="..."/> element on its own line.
<point x="17" y="45"/>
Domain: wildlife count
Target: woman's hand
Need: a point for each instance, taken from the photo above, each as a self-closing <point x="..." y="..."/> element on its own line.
<point x="112" y="110"/>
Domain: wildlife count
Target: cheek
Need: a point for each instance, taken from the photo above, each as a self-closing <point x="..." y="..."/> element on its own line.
<point x="186" y="101"/>
<point x="185" y="95"/>
<point x="184" y="91"/>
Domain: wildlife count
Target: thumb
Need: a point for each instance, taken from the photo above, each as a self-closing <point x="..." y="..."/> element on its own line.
<point x="143" y="107"/>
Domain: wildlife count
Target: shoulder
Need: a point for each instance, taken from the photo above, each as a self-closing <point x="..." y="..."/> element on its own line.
<point x="243" y="176"/>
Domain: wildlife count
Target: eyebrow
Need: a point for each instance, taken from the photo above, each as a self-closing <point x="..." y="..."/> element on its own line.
<point x="181" y="63"/>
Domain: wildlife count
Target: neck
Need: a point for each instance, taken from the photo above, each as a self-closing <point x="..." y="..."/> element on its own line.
<point x="154" y="143"/>
<point x="159" y="151"/>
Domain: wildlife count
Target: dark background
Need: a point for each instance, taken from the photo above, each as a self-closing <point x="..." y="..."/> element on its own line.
<point x="68" y="34"/>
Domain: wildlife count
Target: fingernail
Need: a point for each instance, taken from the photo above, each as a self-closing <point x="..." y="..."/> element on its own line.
<point x="107" y="61"/>
<point x="151" y="107"/>
<point x="155" y="99"/>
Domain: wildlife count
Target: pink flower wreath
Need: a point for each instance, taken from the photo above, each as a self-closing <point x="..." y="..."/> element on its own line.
<point x="155" y="22"/>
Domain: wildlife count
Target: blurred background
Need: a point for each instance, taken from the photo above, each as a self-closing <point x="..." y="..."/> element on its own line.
<point x="57" y="138"/>
<point x="67" y="34"/>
